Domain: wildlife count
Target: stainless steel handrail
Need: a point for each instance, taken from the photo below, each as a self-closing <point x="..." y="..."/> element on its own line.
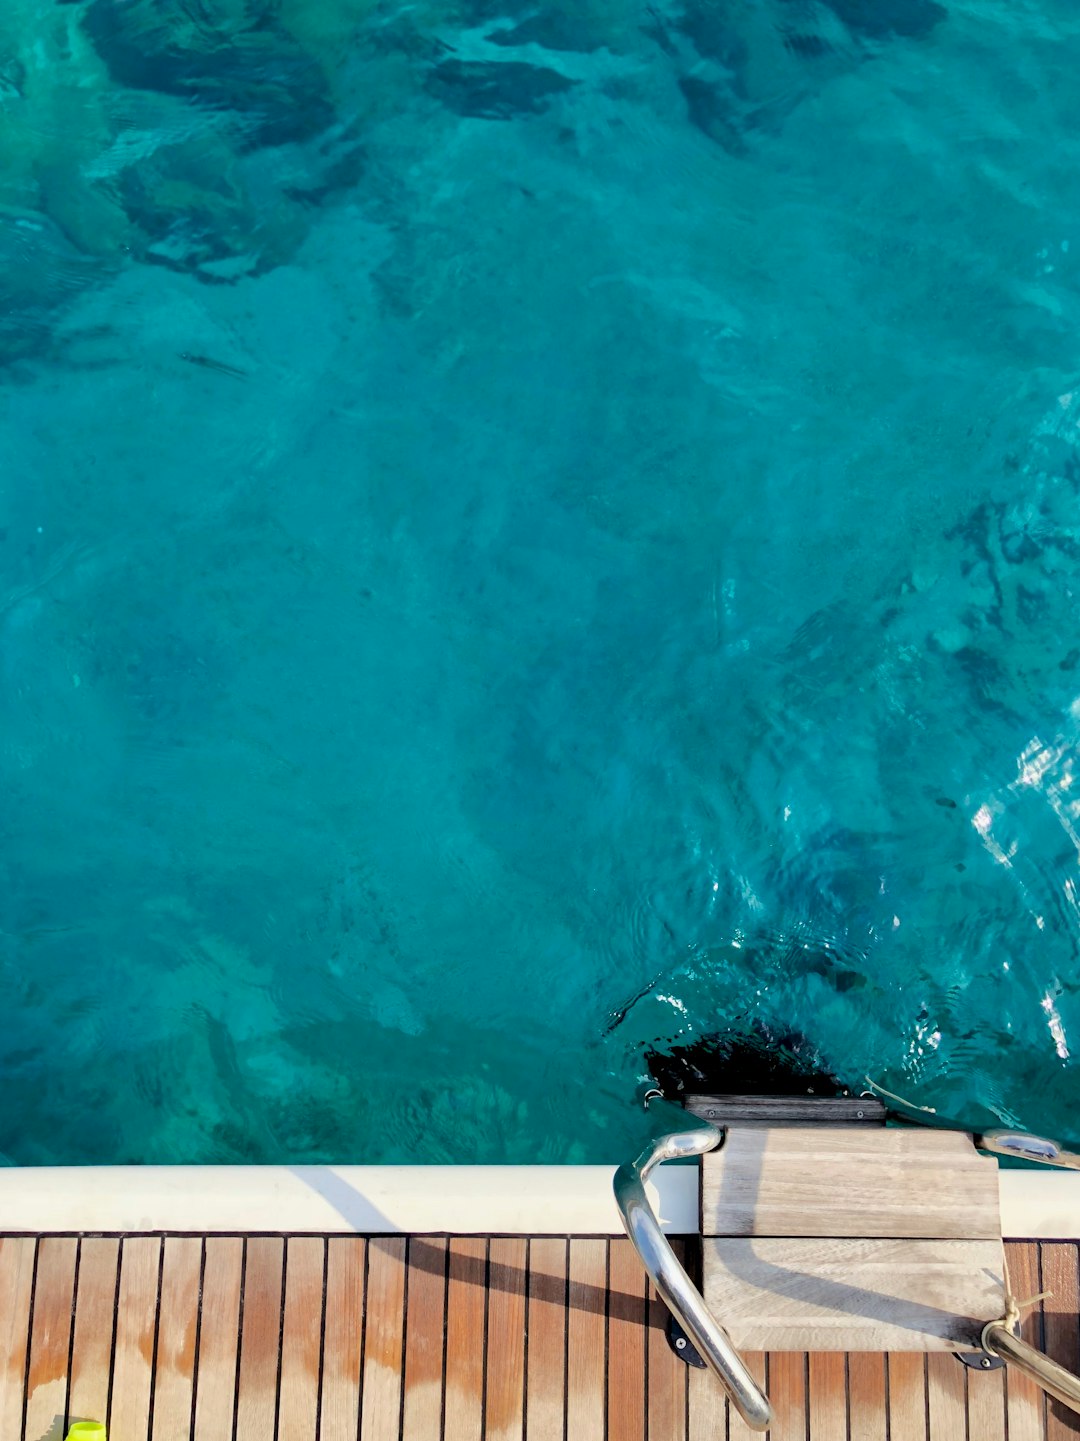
<point x="681" y="1136"/>
<point x="998" y="1340"/>
<point x="1028" y="1148"/>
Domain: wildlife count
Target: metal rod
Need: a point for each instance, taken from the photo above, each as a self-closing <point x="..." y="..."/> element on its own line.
<point x="1028" y="1148"/>
<point x="682" y="1137"/>
<point x="1054" y="1379"/>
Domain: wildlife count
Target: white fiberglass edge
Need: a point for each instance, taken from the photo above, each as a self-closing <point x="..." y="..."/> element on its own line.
<point x="1040" y="1205"/>
<point x="483" y="1200"/>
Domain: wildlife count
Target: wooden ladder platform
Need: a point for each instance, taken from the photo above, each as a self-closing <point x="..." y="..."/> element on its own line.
<point x="861" y="1238"/>
<point x="433" y="1338"/>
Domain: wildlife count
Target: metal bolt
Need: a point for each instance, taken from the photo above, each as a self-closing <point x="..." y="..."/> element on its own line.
<point x="712" y="1115"/>
<point x="680" y="1344"/>
<point x="986" y="1363"/>
<point x="859" y="1115"/>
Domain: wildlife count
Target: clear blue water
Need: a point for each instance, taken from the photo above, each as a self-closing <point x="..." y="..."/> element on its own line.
<point x="511" y="508"/>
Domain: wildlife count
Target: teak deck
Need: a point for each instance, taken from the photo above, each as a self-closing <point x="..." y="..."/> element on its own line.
<point x="340" y="1338"/>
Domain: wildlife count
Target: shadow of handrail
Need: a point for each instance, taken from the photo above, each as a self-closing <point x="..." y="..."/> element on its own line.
<point x="364" y="1218"/>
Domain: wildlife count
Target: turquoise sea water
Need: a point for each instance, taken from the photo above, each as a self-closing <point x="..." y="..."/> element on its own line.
<point x="527" y="531"/>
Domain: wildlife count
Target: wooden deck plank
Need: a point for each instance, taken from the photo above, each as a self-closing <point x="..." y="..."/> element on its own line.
<point x="504" y="1418"/>
<point x="425" y="1332"/>
<point x="667" y="1388"/>
<point x="178" y="1324"/>
<point x="1025" y="1401"/>
<point x="304" y="1319"/>
<point x="757" y="1365"/>
<point x="384" y="1336"/>
<point x="17" y="1255"/>
<point x="850" y="1181"/>
<point x="987" y="1417"/>
<point x="787" y="1393"/>
<point x="1061" y="1327"/>
<point x="907" y="1396"/>
<point x="827" y="1396"/>
<point x="585" y="1391"/>
<point x="260" y="1338"/>
<point x="545" y="1404"/>
<point x="133" y="1357"/>
<point x="92" y="1345"/>
<point x="946" y="1396"/>
<point x="301" y="1338"/>
<point x="707" y="1407"/>
<point x="50" y="1339"/>
<point x="215" y="1384"/>
<point x="866" y="1393"/>
<point x="466" y="1320"/>
<point x="343" y="1343"/>
<point x="626" y="1343"/>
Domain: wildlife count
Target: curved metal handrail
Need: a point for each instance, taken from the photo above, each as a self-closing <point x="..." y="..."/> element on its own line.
<point x="1055" y="1380"/>
<point x="1028" y="1148"/>
<point x="684" y="1136"/>
<point x="997" y="1338"/>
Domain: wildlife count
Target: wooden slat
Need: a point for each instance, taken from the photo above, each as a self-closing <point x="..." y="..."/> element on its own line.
<point x="301" y="1338"/>
<point x="133" y="1359"/>
<point x="1058" y="1263"/>
<point x="425" y="1338"/>
<point x="865" y="1295"/>
<point x="866" y="1392"/>
<point x="380" y="1400"/>
<point x="178" y="1326"/>
<point x="16" y="1288"/>
<point x="757" y="1365"/>
<point x="260" y="1338"/>
<point x="987" y="1418"/>
<point x="907" y="1397"/>
<point x="466" y="1311"/>
<point x="787" y="1393"/>
<point x="505" y="1410"/>
<point x="827" y="1397"/>
<point x="215" y="1386"/>
<point x="585" y="1354"/>
<point x="946" y="1396"/>
<point x="343" y="1339"/>
<point x="667" y="1373"/>
<point x="50" y="1338"/>
<point x="707" y="1406"/>
<point x="611" y="1390"/>
<point x="95" y="1310"/>
<point x="546" y="1361"/>
<point x="851" y="1181"/>
<point x="627" y="1336"/>
<point x="1024" y="1399"/>
<point x="706" y="1402"/>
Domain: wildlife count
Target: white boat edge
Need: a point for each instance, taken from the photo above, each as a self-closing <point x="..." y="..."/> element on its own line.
<point x="381" y="1200"/>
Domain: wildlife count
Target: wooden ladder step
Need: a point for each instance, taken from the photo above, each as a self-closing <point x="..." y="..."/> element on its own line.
<point x="857" y="1181"/>
<point x="851" y="1239"/>
<point x="839" y="1294"/>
